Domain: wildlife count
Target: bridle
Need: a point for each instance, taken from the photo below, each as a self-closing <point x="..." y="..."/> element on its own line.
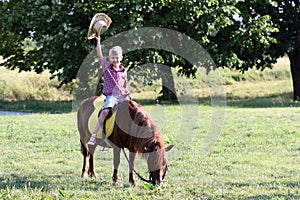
<point x="151" y="181"/>
<point x="163" y="176"/>
<point x="165" y="172"/>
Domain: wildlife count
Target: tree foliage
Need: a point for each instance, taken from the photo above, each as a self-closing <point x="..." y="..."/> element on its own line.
<point x="238" y="34"/>
<point x="286" y="15"/>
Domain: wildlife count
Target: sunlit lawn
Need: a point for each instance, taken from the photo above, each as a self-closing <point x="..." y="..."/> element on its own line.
<point x="255" y="156"/>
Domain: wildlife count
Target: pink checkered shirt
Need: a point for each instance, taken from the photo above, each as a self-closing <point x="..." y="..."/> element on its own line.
<point x="115" y="82"/>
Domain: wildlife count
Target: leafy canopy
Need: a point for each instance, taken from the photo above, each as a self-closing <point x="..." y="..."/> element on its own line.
<point x="39" y="34"/>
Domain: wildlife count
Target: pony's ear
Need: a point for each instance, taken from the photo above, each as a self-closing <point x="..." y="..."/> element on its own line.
<point x="168" y="148"/>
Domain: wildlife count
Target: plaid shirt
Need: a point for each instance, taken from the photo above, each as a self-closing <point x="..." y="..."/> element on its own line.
<point x="115" y="82"/>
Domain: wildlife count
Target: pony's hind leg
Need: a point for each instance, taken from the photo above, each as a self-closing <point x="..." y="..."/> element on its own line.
<point x="91" y="171"/>
<point x="85" y="154"/>
<point x="117" y="152"/>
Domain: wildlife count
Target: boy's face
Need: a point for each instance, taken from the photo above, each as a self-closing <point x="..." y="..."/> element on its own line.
<point x="115" y="58"/>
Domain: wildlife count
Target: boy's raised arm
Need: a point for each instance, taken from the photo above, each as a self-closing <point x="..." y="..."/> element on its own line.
<point x="98" y="48"/>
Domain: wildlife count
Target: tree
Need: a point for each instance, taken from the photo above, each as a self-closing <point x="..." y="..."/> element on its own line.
<point x="285" y="15"/>
<point x="58" y="29"/>
<point x="275" y="25"/>
<point x="54" y="27"/>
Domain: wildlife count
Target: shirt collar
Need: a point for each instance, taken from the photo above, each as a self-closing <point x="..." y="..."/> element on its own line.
<point x="122" y="69"/>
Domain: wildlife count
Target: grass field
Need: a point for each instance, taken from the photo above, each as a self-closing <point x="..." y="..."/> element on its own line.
<point x="256" y="156"/>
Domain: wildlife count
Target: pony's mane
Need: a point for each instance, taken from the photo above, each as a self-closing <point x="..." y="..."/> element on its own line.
<point x="148" y="133"/>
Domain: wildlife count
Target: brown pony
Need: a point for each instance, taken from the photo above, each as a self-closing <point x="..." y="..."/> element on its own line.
<point x="134" y="130"/>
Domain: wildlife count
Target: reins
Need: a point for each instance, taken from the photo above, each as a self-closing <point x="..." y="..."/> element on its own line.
<point x="122" y="147"/>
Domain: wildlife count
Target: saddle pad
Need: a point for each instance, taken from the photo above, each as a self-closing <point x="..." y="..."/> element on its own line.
<point x="109" y="123"/>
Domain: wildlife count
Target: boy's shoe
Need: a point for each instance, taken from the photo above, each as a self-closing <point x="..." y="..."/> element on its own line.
<point x="92" y="140"/>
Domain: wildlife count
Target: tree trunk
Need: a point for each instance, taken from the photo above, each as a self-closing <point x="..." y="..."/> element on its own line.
<point x="294" y="57"/>
<point x="168" y="86"/>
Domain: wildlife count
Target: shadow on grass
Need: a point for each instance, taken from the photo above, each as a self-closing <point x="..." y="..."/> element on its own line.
<point x="279" y="196"/>
<point x="17" y="182"/>
<point x="48" y="183"/>
<point x="56" y="107"/>
<point x="37" y="106"/>
<point x="52" y="107"/>
<point x="271" y="101"/>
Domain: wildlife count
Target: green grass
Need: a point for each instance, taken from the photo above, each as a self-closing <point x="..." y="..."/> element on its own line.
<point x="256" y="156"/>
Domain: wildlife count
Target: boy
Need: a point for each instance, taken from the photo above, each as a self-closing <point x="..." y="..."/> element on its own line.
<point x="115" y="84"/>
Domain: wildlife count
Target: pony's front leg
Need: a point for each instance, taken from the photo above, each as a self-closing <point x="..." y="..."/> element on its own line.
<point x="117" y="152"/>
<point x="131" y="167"/>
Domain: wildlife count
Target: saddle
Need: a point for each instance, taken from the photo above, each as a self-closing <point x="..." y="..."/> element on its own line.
<point x="108" y="125"/>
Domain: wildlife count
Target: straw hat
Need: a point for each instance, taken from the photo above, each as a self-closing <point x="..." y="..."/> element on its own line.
<point x="98" y="25"/>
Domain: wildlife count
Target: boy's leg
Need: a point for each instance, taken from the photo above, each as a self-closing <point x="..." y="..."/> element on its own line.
<point x="99" y="124"/>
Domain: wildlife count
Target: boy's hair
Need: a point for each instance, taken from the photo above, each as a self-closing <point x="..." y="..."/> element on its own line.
<point x="116" y="49"/>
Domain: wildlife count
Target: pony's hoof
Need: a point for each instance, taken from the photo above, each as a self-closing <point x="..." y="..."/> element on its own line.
<point x="84" y="175"/>
<point x="92" y="175"/>
<point x="132" y="183"/>
<point x="114" y="183"/>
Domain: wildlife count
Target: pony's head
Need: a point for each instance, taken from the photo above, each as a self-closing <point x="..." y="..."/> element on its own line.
<point x="157" y="163"/>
